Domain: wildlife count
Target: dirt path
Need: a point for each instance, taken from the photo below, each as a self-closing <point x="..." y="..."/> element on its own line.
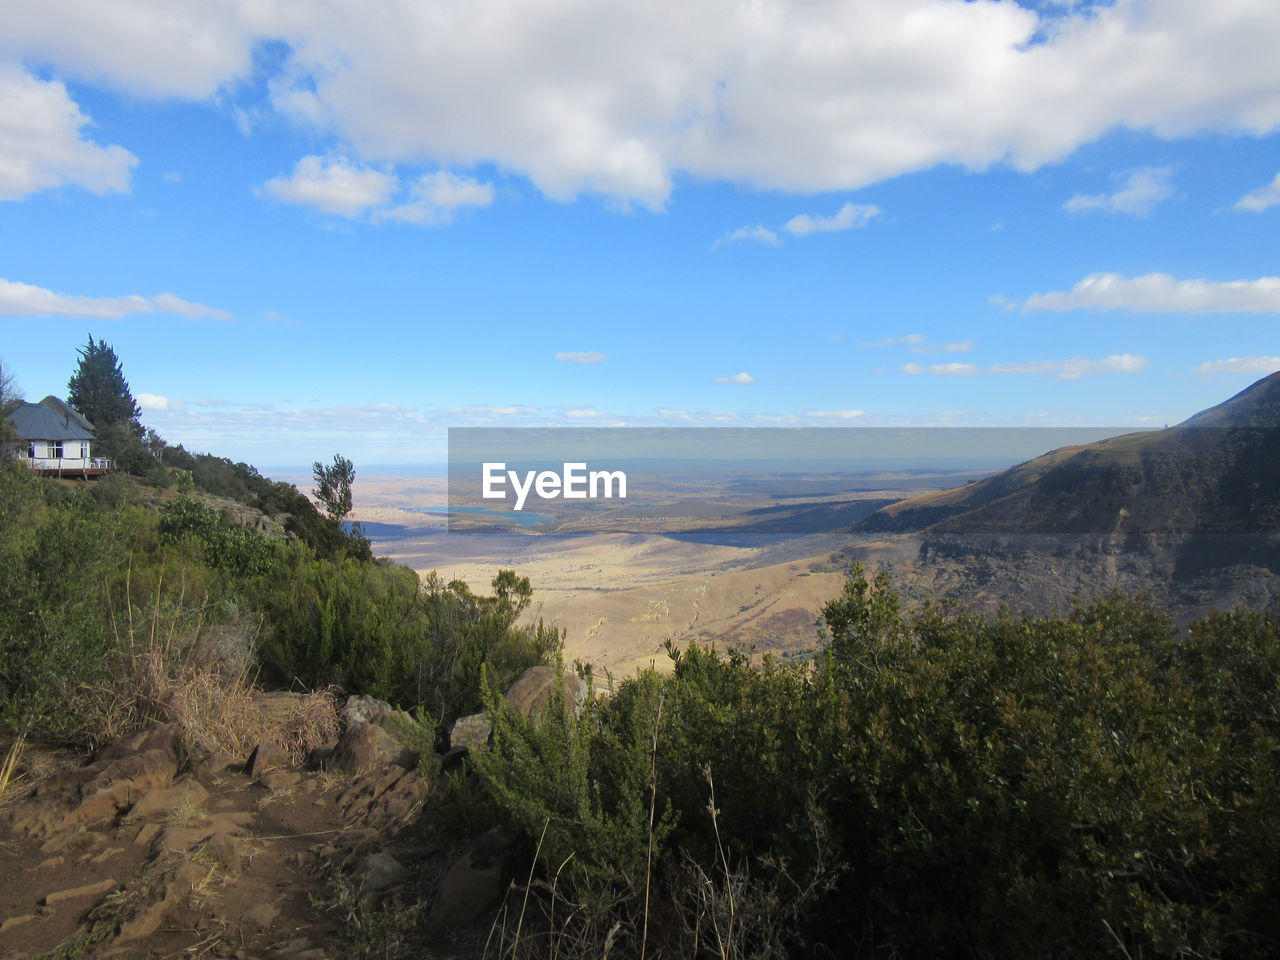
<point x="130" y="856"/>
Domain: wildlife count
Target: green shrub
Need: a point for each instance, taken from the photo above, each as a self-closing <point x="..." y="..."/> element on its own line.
<point x="935" y="784"/>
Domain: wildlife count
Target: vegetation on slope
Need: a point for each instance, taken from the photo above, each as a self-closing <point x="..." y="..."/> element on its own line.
<point x="935" y="784"/>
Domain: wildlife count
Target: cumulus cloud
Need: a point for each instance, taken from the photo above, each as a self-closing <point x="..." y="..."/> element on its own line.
<point x="846" y="218"/>
<point x="24" y="300"/>
<point x="333" y="185"/>
<point x="757" y="234"/>
<point x="588" y="356"/>
<point x="1261" y="199"/>
<point x="157" y="403"/>
<point x="1239" y="365"/>
<point x="1138" y="195"/>
<point x="961" y="346"/>
<point x="618" y="99"/>
<point x="1157" y="293"/>
<point x="743" y="377"/>
<point x="953" y="369"/>
<point x="41" y="146"/>
<point x="1072" y="369"/>
<point x="437" y="197"/>
<point x="910" y="338"/>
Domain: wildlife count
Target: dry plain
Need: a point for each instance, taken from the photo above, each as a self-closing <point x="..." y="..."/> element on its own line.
<point x="620" y="596"/>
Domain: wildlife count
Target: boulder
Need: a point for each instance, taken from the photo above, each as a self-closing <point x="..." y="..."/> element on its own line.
<point x="532" y="693"/>
<point x="187" y="792"/>
<point x="474" y="884"/>
<point x="266" y="756"/>
<point x="471" y="732"/>
<point x="360" y="709"/>
<point x="364" y="747"/>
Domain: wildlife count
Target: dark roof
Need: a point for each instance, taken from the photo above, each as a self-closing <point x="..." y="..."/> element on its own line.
<point x="65" y="409"/>
<point x="50" y="421"/>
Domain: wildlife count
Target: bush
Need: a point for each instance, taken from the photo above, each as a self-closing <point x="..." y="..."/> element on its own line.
<point x="935" y="784"/>
<point x="376" y="629"/>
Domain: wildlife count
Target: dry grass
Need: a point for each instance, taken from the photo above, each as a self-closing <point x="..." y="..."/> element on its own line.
<point x="9" y="778"/>
<point x="179" y="668"/>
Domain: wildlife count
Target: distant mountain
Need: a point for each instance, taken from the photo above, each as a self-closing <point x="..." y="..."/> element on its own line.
<point x="1216" y="473"/>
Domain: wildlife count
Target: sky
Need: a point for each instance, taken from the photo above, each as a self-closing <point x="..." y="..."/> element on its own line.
<point x="323" y="226"/>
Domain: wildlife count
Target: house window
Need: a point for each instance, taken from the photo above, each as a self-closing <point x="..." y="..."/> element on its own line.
<point x="55" y="449"/>
<point x="84" y="449"/>
<point x="31" y="449"/>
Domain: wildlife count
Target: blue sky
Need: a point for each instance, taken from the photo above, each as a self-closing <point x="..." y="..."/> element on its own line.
<point x="316" y="227"/>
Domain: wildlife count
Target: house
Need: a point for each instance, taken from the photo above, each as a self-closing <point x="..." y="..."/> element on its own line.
<point x="56" y="440"/>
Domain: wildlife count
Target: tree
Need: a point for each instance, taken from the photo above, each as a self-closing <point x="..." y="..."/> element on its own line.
<point x="100" y="392"/>
<point x="333" y="486"/>
<point x="10" y="397"/>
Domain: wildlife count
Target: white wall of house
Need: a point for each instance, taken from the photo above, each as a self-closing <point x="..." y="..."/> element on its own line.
<point x="53" y="454"/>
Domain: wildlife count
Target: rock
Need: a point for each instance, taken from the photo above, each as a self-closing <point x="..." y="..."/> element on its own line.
<point x="382" y="801"/>
<point x="143" y="923"/>
<point x="470" y="733"/>
<point x="74" y="893"/>
<point x="365" y="747"/>
<point x="214" y="766"/>
<point x="452" y="760"/>
<point x="12" y="922"/>
<point x="115" y="781"/>
<point x="532" y="693"/>
<point x="262" y="916"/>
<point x="182" y="839"/>
<point x="188" y="792"/>
<point x="265" y="756"/>
<point x="277" y="780"/>
<point x="318" y="758"/>
<point x="147" y="834"/>
<point x="360" y="709"/>
<point x="474" y="884"/>
<point x="380" y="871"/>
<point x="226" y="849"/>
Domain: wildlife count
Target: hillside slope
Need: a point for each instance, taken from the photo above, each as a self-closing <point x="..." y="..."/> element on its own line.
<point x="1216" y="473"/>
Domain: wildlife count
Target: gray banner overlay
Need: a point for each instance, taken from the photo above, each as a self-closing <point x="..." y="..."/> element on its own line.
<point x="783" y="481"/>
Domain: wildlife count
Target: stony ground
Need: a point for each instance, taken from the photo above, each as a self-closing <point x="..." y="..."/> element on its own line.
<point x="143" y="852"/>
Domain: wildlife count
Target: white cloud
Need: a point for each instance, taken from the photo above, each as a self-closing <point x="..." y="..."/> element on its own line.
<point x="618" y="99"/>
<point x="962" y="346"/>
<point x="24" y="300"/>
<point x="1158" y="293"/>
<point x="157" y="403"/>
<point x="436" y="197"/>
<point x="846" y="218"/>
<point x="168" y="303"/>
<point x="334" y="185"/>
<point x="910" y="338"/>
<point x="757" y="234"/>
<point x="1138" y="195"/>
<point x="589" y="356"/>
<point x="582" y="413"/>
<point x="41" y="145"/>
<point x="837" y="414"/>
<point x="737" y="378"/>
<point x="1072" y="369"/>
<point x="1239" y="365"/>
<point x="1261" y="199"/>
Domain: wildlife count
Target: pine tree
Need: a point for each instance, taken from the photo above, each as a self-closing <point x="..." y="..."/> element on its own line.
<point x="100" y="392"/>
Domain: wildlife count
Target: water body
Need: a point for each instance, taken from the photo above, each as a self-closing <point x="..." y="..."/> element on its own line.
<point x="522" y="518"/>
